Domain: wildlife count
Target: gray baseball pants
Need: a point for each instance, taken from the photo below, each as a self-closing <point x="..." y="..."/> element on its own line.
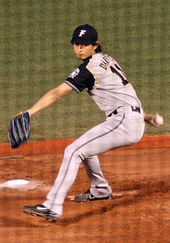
<point x="124" y="129"/>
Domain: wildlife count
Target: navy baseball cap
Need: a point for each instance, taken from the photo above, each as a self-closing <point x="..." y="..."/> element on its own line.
<point x="85" y="34"/>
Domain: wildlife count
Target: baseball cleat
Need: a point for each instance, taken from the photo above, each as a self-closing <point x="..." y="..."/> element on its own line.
<point x="41" y="210"/>
<point x="87" y="196"/>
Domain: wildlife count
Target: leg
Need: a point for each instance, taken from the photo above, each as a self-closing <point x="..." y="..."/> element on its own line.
<point x="121" y="130"/>
<point x="99" y="185"/>
<point x="104" y="137"/>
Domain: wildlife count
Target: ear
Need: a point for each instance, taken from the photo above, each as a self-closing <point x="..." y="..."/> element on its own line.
<point x="96" y="45"/>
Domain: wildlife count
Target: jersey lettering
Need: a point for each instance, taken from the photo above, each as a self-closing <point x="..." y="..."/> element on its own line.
<point x="105" y="62"/>
<point x="118" y="71"/>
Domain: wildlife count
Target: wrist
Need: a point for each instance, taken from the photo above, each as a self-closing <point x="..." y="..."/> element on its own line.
<point x="29" y="112"/>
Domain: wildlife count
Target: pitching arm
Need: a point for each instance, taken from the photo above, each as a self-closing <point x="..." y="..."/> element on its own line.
<point x="151" y="119"/>
<point x="50" y="97"/>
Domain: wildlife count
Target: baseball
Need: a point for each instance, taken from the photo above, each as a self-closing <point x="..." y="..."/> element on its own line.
<point x="158" y="119"/>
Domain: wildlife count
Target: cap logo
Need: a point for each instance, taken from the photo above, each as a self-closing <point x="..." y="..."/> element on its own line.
<point x="82" y="32"/>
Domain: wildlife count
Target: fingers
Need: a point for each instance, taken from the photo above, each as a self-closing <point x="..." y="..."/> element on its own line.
<point x="157" y="121"/>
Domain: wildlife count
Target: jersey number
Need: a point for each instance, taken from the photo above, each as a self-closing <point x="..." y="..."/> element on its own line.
<point x="118" y="71"/>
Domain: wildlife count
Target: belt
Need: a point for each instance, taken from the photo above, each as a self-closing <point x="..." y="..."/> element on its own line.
<point x="134" y="108"/>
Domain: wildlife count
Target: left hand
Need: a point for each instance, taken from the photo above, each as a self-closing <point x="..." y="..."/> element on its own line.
<point x="19" y="129"/>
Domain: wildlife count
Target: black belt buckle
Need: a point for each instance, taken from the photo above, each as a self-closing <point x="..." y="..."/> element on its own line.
<point x="136" y="109"/>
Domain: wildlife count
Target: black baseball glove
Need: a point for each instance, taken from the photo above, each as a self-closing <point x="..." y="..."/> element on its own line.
<point x="19" y="129"/>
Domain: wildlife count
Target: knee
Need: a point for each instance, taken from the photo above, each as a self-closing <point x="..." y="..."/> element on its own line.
<point x="69" y="149"/>
<point x="74" y="153"/>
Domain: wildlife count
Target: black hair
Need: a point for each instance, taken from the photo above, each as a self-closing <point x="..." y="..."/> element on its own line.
<point x="99" y="47"/>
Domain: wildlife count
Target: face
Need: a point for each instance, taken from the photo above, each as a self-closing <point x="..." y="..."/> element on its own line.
<point x="83" y="52"/>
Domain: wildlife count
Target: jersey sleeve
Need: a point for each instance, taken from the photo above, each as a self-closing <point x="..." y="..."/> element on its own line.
<point x="80" y="78"/>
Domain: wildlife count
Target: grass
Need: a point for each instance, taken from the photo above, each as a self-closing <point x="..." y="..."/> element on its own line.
<point x="36" y="55"/>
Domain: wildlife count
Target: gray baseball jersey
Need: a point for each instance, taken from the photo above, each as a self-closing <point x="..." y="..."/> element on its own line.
<point x="106" y="83"/>
<point x="109" y="88"/>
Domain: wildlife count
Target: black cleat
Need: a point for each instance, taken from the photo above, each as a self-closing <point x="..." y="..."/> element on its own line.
<point x="41" y="210"/>
<point x="87" y="196"/>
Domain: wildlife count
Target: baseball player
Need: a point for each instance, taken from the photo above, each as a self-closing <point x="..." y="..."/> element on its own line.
<point x="108" y="86"/>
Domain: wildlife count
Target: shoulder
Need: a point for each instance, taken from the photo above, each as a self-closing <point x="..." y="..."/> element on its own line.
<point x="100" y="59"/>
<point x="96" y="58"/>
<point x="99" y="63"/>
